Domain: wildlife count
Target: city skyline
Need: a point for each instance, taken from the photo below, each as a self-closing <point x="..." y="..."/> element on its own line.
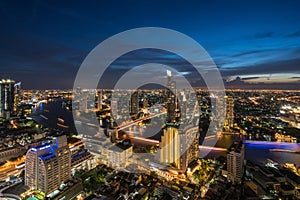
<point x="158" y="100"/>
<point x="255" y="45"/>
<point x="165" y="149"/>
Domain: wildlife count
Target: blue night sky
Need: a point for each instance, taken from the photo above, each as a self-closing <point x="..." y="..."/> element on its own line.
<point x="43" y="43"/>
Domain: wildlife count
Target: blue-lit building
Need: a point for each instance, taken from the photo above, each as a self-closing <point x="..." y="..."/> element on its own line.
<point x="47" y="166"/>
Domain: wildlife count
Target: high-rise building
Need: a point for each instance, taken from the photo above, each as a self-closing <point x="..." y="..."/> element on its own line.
<point x="179" y="147"/>
<point x="17" y="96"/>
<point x="183" y="107"/>
<point x="170" y="146"/>
<point x="83" y="100"/>
<point x="134" y="103"/>
<point x="6" y="97"/>
<point x="171" y="98"/>
<point x="114" y="110"/>
<point x="99" y="100"/>
<point x="235" y="161"/>
<point x="229" y="120"/>
<point x="47" y="166"/>
<point x="189" y="146"/>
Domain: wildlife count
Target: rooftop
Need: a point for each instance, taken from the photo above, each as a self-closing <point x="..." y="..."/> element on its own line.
<point x="236" y="147"/>
<point x="120" y="147"/>
<point x="47" y="155"/>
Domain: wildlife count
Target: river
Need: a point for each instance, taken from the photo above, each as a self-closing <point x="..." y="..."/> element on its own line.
<point x="255" y="151"/>
<point x="260" y="151"/>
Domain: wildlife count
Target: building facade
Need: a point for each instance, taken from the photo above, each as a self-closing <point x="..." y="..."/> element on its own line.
<point x="118" y="154"/>
<point x="189" y="146"/>
<point x="134" y="103"/>
<point x="6" y="97"/>
<point x="99" y="100"/>
<point x="229" y="120"/>
<point x="171" y="98"/>
<point x="17" y="96"/>
<point x="47" y="166"/>
<point x="179" y="147"/>
<point x="235" y="161"/>
<point x="170" y="147"/>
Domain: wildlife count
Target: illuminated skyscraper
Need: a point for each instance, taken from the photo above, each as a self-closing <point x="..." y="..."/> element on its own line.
<point x="183" y="107"/>
<point x="179" y="148"/>
<point x="83" y="100"/>
<point x="189" y="146"/>
<point x="134" y="103"/>
<point x="171" y="98"/>
<point x="170" y="146"/>
<point x="114" y="108"/>
<point x="99" y="100"/>
<point x="47" y="166"/>
<point x="6" y="97"/>
<point x="235" y="161"/>
<point x="229" y="120"/>
<point x="17" y="96"/>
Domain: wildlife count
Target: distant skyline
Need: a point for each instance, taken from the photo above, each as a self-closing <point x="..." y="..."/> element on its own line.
<point x="255" y="44"/>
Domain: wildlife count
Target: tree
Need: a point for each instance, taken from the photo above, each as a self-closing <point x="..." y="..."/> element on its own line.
<point x="153" y="174"/>
<point x="99" y="177"/>
<point x="150" y="149"/>
<point x="200" y="177"/>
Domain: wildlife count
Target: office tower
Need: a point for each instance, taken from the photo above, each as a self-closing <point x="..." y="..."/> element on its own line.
<point x="17" y="96"/>
<point x="235" y="161"/>
<point x="83" y="101"/>
<point x="90" y="100"/>
<point x="114" y="109"/>
<point x="6" y="97"/>
<point x="47" y="166"/>
<point x="229" y="121"/>
<point x="134" y="103"/>
<point x="170" y="146"/>
<point x="189" y="146"/>
<point x="99" y="100"/>
<point x="183" y="108"/>
<point x="171" y="98"/>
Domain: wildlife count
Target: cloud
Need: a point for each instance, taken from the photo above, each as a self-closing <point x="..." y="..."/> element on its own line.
<point x="263" y="35"/>
<point x="245" y="53"/>
<point x="140" y="57"/>
<point x="273" y="67"/>
<point x="261" y="61"/>
<point x="239" y="83"/>
<point x="145" y="56"/>
<point x="46" y="64"/>
<point x="294" y="34"/>
<point x="250" y="78"/>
